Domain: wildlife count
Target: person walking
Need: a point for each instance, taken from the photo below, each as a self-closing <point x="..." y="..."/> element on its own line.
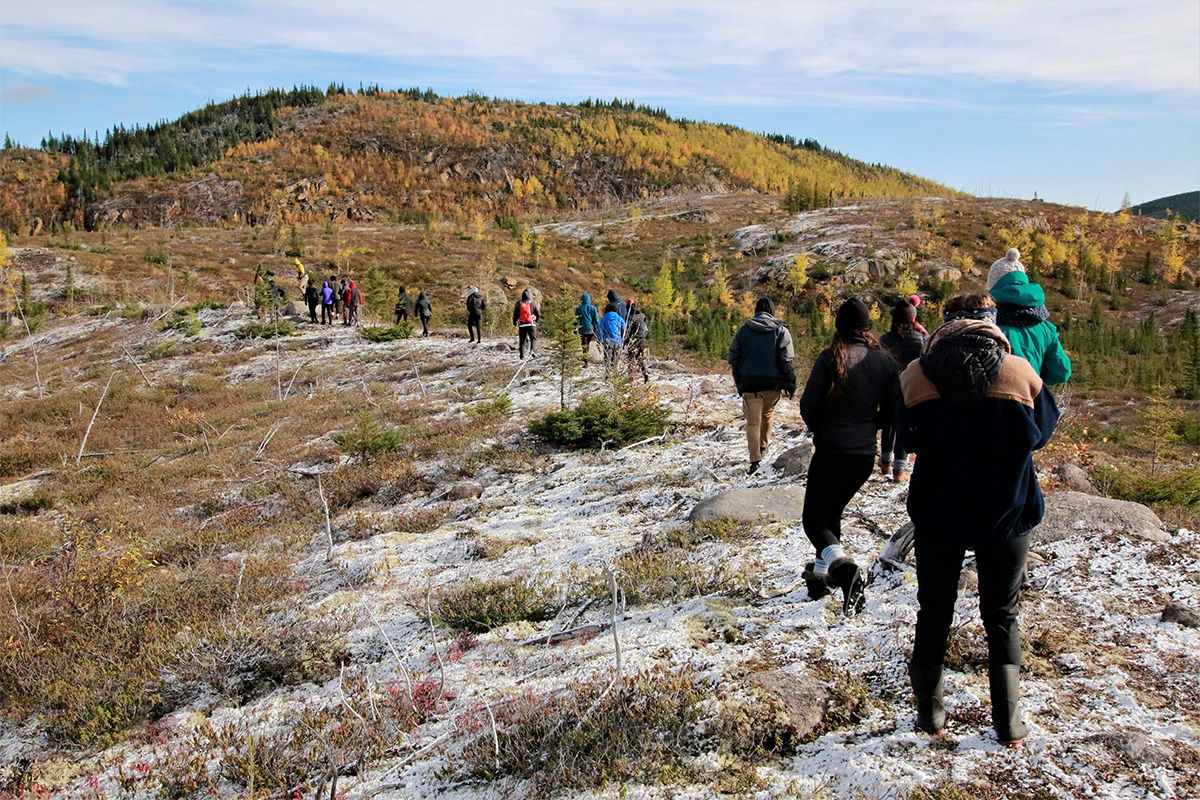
<point x="587" y="322"/>
<point x="353" y="303"/>
<point x="424" y="312"/>
<point x="402" y="306"/>
<point x="612" y="336"/>
<point x="974" y="412"/>
<point x="476" y="305"/>
<point x="526" y="314"/>
<point x="328" y="303"/>
<point x="337" y="296"/>
<point x="345" y="306"/>
<point x="903" y="342"/>
<point x="850" y="393"/>
<point x="760" y="358"/>
<point x="1023" y="318"/>
<point x="636" y="333"/>
<point x="622" y="306"/>
<point x="312" y="298"/>
<point x="301" y="275"/>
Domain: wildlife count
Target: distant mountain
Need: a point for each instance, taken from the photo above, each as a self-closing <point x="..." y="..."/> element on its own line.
<point x="308" y="155"/>
<point x="1186" y="206"/>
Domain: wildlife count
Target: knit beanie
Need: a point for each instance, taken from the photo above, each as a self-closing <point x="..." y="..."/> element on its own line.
<point x="853" y="317"/>
<point x="764" y="304"/>
<point x="1011" y="262"/>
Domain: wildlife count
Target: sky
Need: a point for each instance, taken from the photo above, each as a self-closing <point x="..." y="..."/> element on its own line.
<point x="1080" y="101"/>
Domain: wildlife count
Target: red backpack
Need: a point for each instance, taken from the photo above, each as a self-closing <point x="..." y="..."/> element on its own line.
<point x="525" y="313"/>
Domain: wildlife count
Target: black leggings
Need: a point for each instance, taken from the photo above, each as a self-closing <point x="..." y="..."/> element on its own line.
<point x="833" y="480"/>
<point x="1001" y="568"/>
<point x="424" y="326"/>
<point x="526" y="334"/>
<point x="473" y="326"/>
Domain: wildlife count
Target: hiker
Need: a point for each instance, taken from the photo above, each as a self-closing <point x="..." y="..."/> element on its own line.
<point x="342" y="302"/>
<point x="328" y="304"/>
<point x="353" y="303"/>
<point x="587" y="322"/>
<point x="760" y="358"/>
<point x="301" y="275"/>
<point x="337" y="294"/>
<point x="636" y="333"/>
<point x="903" y="342"/>
<point x="915" y="299"/>
<point x="402" y="306"/>
<point x="612" y="335"/>
<point x="424" y="312"/>
<point x="312" y="298"/>
<point x="622" y="306"/>
<point x="1022" y="315"/>
<point x="973" y="413"/>
<point x="525" y="316"/>
<point x="476" y="305"/>
<point x="849" y="394"/>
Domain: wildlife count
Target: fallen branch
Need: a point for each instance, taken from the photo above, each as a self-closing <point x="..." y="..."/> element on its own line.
<point x="137" y="366"/>
<point x="396" y="655"/>
<point x="88" y="432"/>
<point x="274" y="429"/>
<point x="169" y="310"/>
<point x="516" y="375"/>
<point x="592" y="628"/>
<point x="37" y="368"/>
<point x="328" y="524"/>
<point x="643" y="441"/>
<point x="417" y="373"/>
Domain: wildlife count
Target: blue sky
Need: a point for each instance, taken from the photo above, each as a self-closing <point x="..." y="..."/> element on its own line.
<point x="1079" y="101"/>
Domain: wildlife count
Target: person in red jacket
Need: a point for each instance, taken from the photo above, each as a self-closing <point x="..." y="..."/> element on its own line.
<point x="353" y="303"/>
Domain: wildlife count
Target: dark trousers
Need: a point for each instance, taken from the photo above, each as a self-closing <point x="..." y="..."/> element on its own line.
<point x="889" y="442"/>
<point x="401" y="315"/>
<point x="526" y="334"/>
<point x="312" y="312"/>
<point x="327" y="313"/>
<point x="424" y="326"/>
<point x="635" y="356"/>
<point x="585" y="341"/>
<point x="833" y="480"/>
<point x="474" y="327"/>
<point x="1001" y="567"/>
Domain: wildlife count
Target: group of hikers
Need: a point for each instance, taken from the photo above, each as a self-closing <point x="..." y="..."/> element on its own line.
<point x="971" y="403"/>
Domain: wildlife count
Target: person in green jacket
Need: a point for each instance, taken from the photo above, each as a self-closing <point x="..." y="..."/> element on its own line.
<point x="1022" y="316"/>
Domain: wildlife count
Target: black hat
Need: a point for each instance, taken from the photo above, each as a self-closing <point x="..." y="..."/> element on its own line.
<point x="853" y="316"/>
<point x="764" y="304"/>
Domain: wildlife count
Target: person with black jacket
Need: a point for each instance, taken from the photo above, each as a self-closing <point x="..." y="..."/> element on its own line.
<point x="850" y="393"/>
<point x="424" y="312"/>
<point x="636" y="333"/>
<point x="402" y="306"/>
<point x="903" y="342"/>
<point x="622" y="306"/>
<point x="760" y="358"/>
<point x="476" y="305"/>
<point x="973" y="413"/>
<point x="312" y="297"/>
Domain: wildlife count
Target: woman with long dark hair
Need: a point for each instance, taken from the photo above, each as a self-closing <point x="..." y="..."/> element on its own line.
<point x="849" y="394"/>
<point x="903" y="342"/>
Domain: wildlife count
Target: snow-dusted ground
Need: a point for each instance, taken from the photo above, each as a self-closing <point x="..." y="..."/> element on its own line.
<point x="1113" y="705"/>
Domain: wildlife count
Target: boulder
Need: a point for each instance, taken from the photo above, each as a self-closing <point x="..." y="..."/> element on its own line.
<point x="467" y="490"/>
<point x="1079" y="514"/>
<point x="799" y="699"/>
<point x="291" y="309"/>
<point x="779" y="503"/>
<point x="1181" y="615"/>
<point x="14" y="495"/>
<point x="795" y="460"/>
<point x="1134" y="747"/>
<point x="1074" y="477"/>
<point x="952" y="274"/>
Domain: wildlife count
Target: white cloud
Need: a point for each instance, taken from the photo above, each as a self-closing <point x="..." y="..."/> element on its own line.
<point x="831" y="52"/>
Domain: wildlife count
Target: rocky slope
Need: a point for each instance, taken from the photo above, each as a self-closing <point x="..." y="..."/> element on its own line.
<point x="1110" y="687"/>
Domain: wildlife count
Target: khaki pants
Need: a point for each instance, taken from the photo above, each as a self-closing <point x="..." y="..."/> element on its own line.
<point x="759" y="408"/>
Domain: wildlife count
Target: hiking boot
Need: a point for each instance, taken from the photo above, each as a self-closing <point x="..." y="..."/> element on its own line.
<point x="885" y="463"/>
<point x="818" y="585"/>
<point x="900" y="475"/>
<point x="928" y="687"/>
<point x="844" y="573"/>
<point x="753" y="467"/>
<point x="1004" y="681"/>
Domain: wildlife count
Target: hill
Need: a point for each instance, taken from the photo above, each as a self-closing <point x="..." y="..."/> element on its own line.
<point x="1185" y="206"/>
<point x="311" y="156"/>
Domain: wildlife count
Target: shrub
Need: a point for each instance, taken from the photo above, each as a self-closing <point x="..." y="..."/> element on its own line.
<point x="493" y="408"/>
<point x="1178" y="488"/>
<point x="183" y="320"/>
<point x="644" y="729"/>
<point x="597" y="421"/>
<point x="478" y="606"/>
<point x="265" y="330"/>
<point x="387" y="333"/>
<point x="367" y="439"/>
<point x="656" y="576"/>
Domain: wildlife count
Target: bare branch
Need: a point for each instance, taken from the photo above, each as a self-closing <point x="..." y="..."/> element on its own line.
<point x="137" y="366"/>
<point x="88" y="432"/>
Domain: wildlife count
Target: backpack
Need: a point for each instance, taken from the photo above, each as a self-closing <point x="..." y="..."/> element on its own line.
<point x="525" y="313"/>
<point x="760" y="354"/>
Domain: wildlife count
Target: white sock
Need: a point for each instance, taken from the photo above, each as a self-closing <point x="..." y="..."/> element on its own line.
<point x="830" y="554"/>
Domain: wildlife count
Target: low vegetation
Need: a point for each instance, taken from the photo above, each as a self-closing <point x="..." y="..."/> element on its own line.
<point x="480" y="605"/>
<point x="602" y="422"/>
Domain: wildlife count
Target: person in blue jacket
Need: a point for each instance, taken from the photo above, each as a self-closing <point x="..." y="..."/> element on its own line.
<point x="612" y="335"/>
<point x="587" y="321"/>
<point x="973" y="413"/>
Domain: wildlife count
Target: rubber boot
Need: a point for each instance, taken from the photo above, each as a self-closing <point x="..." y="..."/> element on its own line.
<point x="1005" y="682"/>
<point x="928" y="687"/>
